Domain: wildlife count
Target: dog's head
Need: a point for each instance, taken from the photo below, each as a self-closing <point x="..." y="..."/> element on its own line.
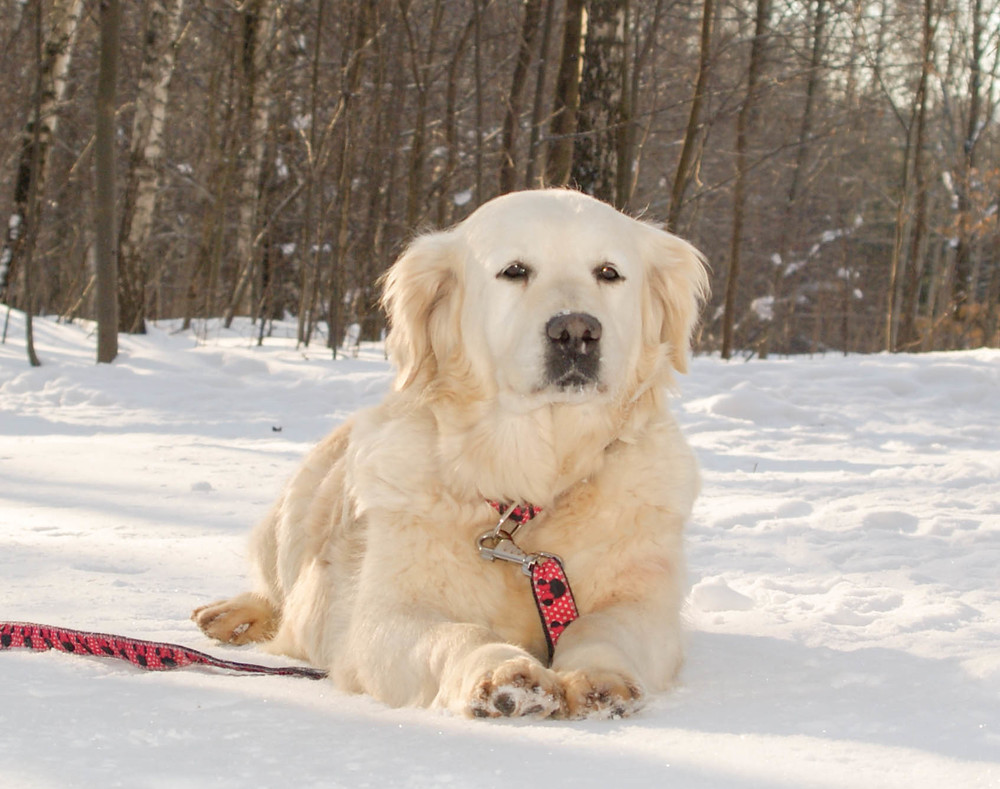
<point x="541" y="297"/>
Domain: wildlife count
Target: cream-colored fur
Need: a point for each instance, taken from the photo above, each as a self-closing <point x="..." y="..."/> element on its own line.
<point x="368" y="564"/>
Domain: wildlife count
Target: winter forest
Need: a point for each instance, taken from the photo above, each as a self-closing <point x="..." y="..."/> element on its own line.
<point x="838" y="161"/>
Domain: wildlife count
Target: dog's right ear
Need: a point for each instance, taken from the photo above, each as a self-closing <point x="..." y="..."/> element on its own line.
<point x="421" y="295"/>
<point x="677" y="286"/>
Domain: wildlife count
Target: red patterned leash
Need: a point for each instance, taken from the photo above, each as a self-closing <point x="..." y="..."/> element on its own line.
<point x="549" y="584"/>
<point x="147" y="655"/>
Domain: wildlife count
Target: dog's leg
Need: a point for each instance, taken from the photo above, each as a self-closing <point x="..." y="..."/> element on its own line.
<point x="240" y="620"/>
<point x="251" y="616"/>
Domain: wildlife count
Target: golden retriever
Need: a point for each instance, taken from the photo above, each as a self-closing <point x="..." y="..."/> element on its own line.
<point x="534" y="344"/>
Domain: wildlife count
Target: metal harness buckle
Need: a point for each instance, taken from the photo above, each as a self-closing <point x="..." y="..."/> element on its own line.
<point x="498" y="543"/>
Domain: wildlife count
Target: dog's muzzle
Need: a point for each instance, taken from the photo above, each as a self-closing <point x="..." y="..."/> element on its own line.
<point x="573" y="355"/>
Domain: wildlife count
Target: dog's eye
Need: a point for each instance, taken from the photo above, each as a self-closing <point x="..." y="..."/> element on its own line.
<point x="514" y="271"/>
<point x="607" y="273"/>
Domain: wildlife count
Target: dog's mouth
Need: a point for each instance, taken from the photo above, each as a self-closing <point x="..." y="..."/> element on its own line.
<point x="572" y="381"/>
<point x="575" y="380"/>
<point x="572" y="372"/>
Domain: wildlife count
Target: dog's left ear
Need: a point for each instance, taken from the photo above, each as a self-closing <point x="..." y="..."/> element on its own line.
<point x="421" y="296"/>
<point x="677" y="286"/>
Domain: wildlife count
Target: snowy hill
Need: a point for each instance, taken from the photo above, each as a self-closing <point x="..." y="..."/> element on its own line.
<point x="844" y="565"/>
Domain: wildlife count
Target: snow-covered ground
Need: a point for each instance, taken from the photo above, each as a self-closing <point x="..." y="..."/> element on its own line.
<point x="844" y="558"/>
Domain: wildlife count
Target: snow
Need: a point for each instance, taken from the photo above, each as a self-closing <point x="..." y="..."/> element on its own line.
<point x="844" y="615"/>
<point x="763" y="308"/>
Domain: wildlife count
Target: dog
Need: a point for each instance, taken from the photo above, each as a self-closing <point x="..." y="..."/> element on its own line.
<point x="535" y="344"/>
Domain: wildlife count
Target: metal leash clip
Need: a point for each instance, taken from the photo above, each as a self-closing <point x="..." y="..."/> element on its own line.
<point x="498" y="543"/>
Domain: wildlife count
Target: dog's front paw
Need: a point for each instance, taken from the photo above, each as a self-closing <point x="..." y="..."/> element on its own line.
<point x="240" y="620"/>
<point x="600" y="694"/>
<point x="517" y="687"/>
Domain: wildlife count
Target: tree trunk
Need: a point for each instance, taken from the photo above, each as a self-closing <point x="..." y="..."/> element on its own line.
<point x="104" y="206"/>
<point x="478" y="6"/>
<point x="255" y="114"/>
<point x="743" y="123"/>
<point x="906" y="271"/>
<point x="32" y="202"/>
<point x="907" y="335"/>
<point x="202" y="265"/>
<point x="566" y="101"/>
<point x="451" y="140"/>
<point x="962" y="285"/>
<point x="682" y="176"/>
<point x="993" y="298"/>
<point x="213" y="252"/>
<point x="603" y="110"/>
<point x="146" y="162"/>
<point x="363" y="28"/>
<point x="54" y="71"/>
<point x="420" y="66"/>
<point x="790" y="218"/>
<point x="631" y="146"/>
<point x="895" y="262"/>
<point x="311" y="220"/>
<point x="512" y="115"/>
<point x="538" y="103"/>
<point x="381" y="155"/>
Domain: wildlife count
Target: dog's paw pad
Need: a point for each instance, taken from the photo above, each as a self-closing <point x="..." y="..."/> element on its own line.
<point x="601" y="694"/>
<point x="518" y="688"/>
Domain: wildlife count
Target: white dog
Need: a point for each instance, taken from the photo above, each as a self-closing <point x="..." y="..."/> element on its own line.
<point x="534" y="343"/>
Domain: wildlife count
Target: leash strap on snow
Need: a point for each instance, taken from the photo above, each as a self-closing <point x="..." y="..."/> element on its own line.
<point x="147" y="655"/>
<point x="549" y="584"/>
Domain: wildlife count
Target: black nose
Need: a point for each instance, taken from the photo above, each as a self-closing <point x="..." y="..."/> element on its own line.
<point x="574" y="333"/>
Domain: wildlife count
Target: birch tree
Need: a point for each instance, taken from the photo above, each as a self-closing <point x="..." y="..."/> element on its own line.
<point x="146" y="161"/>
<point x="29" y="334"/>
<point x="36" y="144"/>
<point x="566" y="102"/>
<point x="603" y="115"/>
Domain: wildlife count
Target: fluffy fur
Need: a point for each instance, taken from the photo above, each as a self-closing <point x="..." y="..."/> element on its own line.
<point x="367" y="563"/>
